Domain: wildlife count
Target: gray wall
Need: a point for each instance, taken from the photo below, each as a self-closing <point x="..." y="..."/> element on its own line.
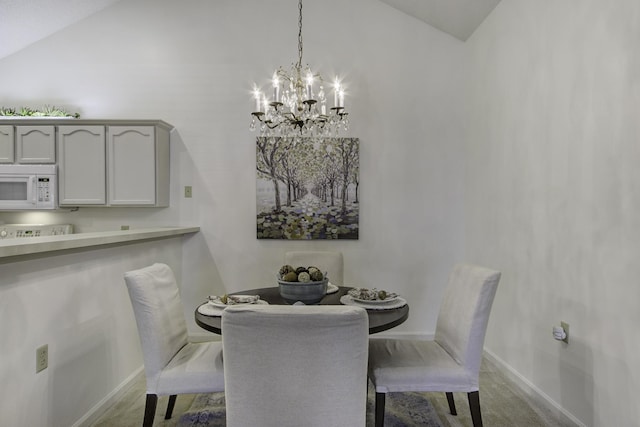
<point x="517" y="150"/>
<point x="552" y="196"/>
<point x="193" y="65"/>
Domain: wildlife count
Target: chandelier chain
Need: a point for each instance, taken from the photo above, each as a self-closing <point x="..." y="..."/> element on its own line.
<point x="295" y="109"/>
<point x="299" y="34"/>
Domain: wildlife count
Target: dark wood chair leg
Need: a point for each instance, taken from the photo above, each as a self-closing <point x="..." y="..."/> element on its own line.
<point x="380" y="409"/>
<point x="474" y="406"/>
<point x="452" y="404"/>
<point x="172" y="403"/>
<point x="150" y="410"/>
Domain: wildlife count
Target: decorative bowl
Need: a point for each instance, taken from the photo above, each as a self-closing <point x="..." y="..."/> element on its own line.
<point x="306" y="292"/>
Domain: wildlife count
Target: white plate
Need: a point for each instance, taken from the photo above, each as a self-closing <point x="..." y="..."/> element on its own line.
<point x="376" y="301"/>
<point x="331" y="288"/>
<point x="348" y="300"/>
<point x="239" y="300"/>
<point x="209" y="309"/>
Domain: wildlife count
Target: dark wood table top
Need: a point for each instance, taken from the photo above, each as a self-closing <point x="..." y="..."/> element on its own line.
<point x="379" y="320"/>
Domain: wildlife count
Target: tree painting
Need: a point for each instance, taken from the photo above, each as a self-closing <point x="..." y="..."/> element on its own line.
<point x="307" y="188"/>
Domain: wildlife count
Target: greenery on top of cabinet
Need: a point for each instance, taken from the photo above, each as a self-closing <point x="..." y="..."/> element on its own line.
<point x="47" y="111"/>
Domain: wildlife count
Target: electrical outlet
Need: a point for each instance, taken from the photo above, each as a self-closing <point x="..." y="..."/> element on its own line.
<point x="187" y="192"/>
<point x="124" y="227"/>
<point x="42" y="358"/>
<point x="565" y="326"/>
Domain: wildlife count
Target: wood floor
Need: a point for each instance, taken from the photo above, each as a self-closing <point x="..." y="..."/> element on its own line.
<point x="503" y="404"/>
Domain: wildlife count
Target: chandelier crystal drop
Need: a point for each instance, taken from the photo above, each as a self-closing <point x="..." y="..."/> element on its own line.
<point x="297" y="106"/>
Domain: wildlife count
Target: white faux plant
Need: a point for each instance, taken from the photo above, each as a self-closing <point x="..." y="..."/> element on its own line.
<point x="47" y="111"/>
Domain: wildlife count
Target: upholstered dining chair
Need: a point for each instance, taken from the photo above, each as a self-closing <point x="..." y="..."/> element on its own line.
<point x="451" y="362"/>
<point x="291" y="366"/>
<point x="172" y="364"/>
<point x="328" y="262"/>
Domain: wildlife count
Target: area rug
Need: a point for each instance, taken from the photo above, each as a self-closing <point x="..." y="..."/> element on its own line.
<point x="402" y="409"/>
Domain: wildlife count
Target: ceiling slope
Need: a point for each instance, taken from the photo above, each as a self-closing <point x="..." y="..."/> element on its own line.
<point x="460" y="18"/>
<point x="23" y="22"/>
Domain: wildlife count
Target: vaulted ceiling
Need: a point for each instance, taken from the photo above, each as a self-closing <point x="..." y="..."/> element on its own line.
<point x="23" y="22"/>
<point x="460" y="18"/>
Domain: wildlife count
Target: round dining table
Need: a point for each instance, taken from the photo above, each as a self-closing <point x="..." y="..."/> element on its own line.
<point x="379" y="320"/>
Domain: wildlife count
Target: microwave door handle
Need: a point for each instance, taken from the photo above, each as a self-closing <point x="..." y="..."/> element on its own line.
<point x="32" y="188"/>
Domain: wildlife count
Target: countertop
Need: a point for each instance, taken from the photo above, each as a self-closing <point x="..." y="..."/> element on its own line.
<point x="36" y="245"/>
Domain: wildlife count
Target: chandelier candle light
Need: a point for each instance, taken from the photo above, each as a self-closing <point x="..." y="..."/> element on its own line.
<point x="295" y="109"/>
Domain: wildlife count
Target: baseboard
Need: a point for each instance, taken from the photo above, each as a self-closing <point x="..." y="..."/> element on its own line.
<point x="525" y="385"/>
<point x="530" y="389"/>
<point x="101" y="407"/>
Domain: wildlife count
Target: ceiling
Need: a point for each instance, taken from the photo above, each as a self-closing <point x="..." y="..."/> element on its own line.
<point x="23" y="22"/>
<point x="459" y="18"/>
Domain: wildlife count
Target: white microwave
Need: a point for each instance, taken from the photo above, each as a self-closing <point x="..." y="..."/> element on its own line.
<point x="25" y="187"/>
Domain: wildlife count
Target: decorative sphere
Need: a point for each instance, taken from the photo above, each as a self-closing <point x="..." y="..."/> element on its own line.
<point x="316" y="275"/>
<point x="304" y="277"/>
<point x="290" y="277"/>
<point x="286" y="269"/>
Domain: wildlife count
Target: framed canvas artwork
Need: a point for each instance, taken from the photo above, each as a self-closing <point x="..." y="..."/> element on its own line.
<point x="307" y="188"/>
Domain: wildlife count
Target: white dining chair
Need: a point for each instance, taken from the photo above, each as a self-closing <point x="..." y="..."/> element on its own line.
<point x="451" y="362"/>
<point x="172" y="364"/>
<point x="329" y="262"/>
<point x="292" y="366"/>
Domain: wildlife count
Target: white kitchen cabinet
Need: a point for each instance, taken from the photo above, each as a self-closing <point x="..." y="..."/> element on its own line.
<point x="101" y="163"/>
<point x="6" y="144"/>
<point x="36" y="144"/>
<point x="82" y="166"/>
<point x="137" y="166"/>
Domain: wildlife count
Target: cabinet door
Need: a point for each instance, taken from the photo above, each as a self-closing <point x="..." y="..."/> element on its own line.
<point x="81" y="165"/>
<point x="131" y="165"/>
<point x="36" y="144"/>
<point x="6" y="144"/>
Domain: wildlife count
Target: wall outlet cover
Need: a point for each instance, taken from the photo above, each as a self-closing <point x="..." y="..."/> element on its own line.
<point x="565" y="326"/>
<point x="42" y="358"/>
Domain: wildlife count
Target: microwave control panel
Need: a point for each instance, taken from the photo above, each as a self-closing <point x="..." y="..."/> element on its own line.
<point x="44" y="189"/>
<point x="15" y="231"/>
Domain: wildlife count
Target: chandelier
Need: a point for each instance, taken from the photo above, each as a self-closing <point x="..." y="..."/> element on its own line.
<point x="296" y="109"/>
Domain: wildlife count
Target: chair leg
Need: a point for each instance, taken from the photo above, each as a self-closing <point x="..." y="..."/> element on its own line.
<point x="380" y="409"/>
<point x="172" y="403"/>
<point x="452" y="404"/>
<point x="474" y="406"/>
<point x="150" y="410"/>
